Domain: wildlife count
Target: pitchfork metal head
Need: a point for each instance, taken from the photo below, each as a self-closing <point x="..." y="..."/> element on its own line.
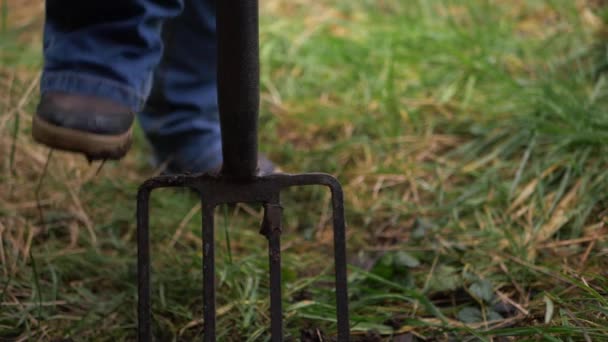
<point x="217" y="190"/>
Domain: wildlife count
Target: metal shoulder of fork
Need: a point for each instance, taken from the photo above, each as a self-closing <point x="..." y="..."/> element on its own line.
<point x="238" y="85"/>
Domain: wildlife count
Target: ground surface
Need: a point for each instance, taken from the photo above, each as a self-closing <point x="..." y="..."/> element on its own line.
<point x="471" y="140"/>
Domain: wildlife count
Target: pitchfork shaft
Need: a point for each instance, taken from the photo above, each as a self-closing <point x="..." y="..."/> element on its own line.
<point x="238" y="85"/>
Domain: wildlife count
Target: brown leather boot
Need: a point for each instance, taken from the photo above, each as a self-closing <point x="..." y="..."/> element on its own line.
<point x="93" y="126"/>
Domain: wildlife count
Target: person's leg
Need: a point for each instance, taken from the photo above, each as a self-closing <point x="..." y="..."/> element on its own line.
<point x="180" y="118"/>
<point x="98" y="61"/>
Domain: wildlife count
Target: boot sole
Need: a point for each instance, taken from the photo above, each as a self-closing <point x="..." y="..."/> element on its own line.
<point x="93" y="146"/>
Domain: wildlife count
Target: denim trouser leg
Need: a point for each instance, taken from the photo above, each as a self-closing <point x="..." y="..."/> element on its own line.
<point x="112" y="49"/>
<point x="180" y="118"/>
<point x="104" y="48"/>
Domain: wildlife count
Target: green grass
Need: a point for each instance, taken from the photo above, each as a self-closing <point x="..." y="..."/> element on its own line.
<point x="471" y="140"/>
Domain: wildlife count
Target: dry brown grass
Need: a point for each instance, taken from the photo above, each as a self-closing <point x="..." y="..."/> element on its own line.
<point x="470" y="204"/>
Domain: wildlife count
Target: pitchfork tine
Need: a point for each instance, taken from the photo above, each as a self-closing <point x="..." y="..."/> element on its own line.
<point x="340" y="259"/>
<point x="271" y="228"/>
<point x="143" y="265"/>
<point x="208" y="272"/>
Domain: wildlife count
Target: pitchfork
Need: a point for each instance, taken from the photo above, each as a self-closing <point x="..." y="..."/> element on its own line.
<point x="239" y="180"/>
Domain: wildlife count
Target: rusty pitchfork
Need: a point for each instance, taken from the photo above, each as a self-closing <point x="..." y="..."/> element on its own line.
<point x="239" y="180"/>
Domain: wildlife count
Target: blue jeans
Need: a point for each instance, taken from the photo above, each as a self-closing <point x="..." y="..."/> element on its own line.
<point x="158" y="57"/>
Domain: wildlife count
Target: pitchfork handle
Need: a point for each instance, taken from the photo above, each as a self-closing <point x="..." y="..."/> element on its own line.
<point x="238" y="85"/>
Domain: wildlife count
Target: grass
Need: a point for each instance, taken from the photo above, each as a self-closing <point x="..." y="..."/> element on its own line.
<point x="470" y="138"/>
